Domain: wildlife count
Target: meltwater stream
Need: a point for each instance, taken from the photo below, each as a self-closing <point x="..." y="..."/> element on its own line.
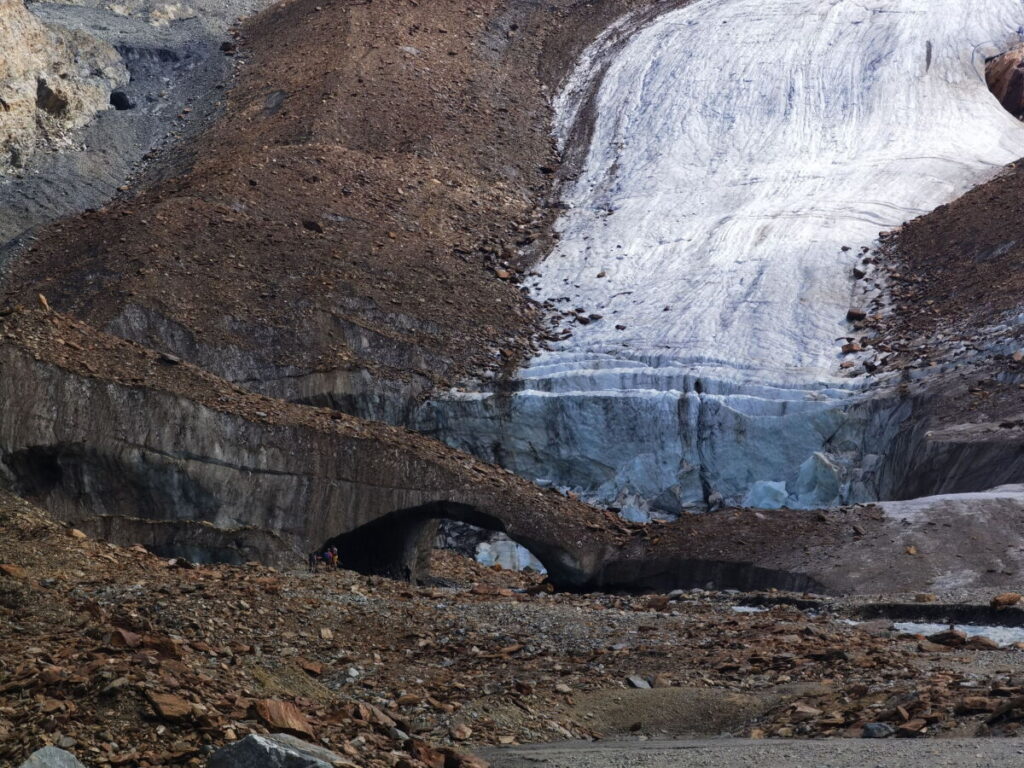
<point x="736" y="147"/>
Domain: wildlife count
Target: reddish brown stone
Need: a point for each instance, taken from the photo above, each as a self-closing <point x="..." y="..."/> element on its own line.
<point x="169" y="706"/>
<point x="284" y="716"/>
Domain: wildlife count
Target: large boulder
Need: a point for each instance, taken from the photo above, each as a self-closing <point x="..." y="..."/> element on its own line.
<point x="52" y="81"/>
<point x="1005" y="76"/>
<point x="278" y="750"/>
<point x="51" y="757"/>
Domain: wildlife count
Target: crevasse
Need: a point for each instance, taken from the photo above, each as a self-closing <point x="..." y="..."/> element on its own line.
<point x="737" y="146"/>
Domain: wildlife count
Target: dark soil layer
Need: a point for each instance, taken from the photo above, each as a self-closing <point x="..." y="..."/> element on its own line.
<point x="954" y="280"/>
<point x="962" y="265"/>
<point x="381" y="175"/>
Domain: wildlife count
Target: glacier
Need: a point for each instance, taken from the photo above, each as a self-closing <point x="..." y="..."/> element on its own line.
<point x="743" y="156"/>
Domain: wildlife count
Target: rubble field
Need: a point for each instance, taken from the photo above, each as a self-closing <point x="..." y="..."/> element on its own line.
<point x="125" y="658"/>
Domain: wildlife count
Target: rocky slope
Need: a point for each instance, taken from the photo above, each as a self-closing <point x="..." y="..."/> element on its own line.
<point x="348" y="230"/>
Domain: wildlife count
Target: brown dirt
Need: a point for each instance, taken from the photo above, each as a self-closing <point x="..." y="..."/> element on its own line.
<point x="376" y="164"/>
<point x="954" y="277"/>
<point x="682" y="712"/>
<point x="962" y="264"/>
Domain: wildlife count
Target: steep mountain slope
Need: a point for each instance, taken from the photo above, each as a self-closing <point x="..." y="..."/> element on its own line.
<point x="349" y="211"/>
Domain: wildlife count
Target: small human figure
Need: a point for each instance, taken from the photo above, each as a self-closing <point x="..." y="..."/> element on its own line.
<point x="334" y="558"/>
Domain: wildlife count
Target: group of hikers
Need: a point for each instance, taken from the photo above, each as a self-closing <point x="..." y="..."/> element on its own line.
<point x="328" y="559"/>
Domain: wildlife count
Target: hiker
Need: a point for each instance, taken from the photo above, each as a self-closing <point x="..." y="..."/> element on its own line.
<point x="314" y="561"/>
<point x="335" y="564"/>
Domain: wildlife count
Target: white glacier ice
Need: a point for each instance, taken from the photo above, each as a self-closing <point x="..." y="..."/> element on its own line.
<point x="1002" y="635"/>
<point x="501" y="550"/>
<point x="737" y="146"/>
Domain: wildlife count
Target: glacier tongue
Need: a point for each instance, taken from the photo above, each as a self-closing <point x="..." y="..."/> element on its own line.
<point x="737" y="146"/>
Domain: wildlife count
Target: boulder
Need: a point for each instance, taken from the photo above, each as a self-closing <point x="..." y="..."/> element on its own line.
<point x="950" y="637"/>
<point x="877" y="731"/>
<point x="1005" y="600"/>
<point x="170" y="706"/>
<point x="51" y="757"/>
<point x="277" y="750"/>
<point x="1005" y="77"/>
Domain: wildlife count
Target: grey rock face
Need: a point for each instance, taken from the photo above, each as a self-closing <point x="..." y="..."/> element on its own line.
<point x="51" y="757"/>
<point x="52" y="81"/>
<point x="278" y="750"/>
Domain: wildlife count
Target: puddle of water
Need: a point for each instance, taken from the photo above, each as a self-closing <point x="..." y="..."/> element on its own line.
<point x="1001" y="635"/>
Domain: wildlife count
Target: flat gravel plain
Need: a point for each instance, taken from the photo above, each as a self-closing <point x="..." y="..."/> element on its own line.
<point x="737" y="753"/>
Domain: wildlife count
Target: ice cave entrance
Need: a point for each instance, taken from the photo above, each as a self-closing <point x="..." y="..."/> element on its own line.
<point x="400" y="544"/>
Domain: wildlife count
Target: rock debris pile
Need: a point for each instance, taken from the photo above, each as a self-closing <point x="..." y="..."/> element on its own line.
<point x="124" y="658"/>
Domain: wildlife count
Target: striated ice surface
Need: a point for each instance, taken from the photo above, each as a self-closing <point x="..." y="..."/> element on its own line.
<point x="737" y="146"/>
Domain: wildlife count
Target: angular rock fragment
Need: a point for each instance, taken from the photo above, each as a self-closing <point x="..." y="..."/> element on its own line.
<point x="951" y="637"/>
<point x="278" y="750"/>
<point x="169" y="706"/>
<point x="877" y="731"/>
<point x="981" y="642"/>
<point x="912" y="728"/>
<point x="13" y="571"/>
<point x="283" y="716"/>
<point x="1005" y="600"/>
<point x="51" y="757"/>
